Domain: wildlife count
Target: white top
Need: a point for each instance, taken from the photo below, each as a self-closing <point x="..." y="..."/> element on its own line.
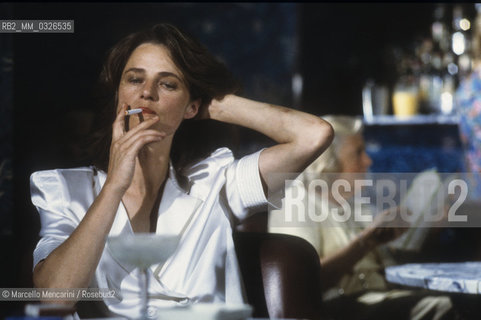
<point x="203" y="209"/>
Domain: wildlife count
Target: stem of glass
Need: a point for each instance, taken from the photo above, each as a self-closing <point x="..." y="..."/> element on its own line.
<point x="144" y="292"/>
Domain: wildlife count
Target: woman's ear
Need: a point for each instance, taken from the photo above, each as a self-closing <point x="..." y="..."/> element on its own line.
<point x="192" y="109"/>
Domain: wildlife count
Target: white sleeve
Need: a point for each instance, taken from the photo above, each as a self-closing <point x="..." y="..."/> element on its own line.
<point x="49" y="196"/>
<point x="245" y="193"/>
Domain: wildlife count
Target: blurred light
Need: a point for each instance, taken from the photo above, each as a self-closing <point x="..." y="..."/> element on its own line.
<point x="452" y="69"/>
<point x="297" y="85"/>
<point x="367" y="100"/>
<point x="464" y="62"/>
<point x="457" y="17"/>
<point x="437" y="31"/>
<point x="437" y="62"/>
<point x="446" y="102"/>
<point x="456" y="25"/>
<point x="465" y="24"/>
<point x="448" y="58"/>
<point x="426" y="58"/>
<point x="458" y="43"/>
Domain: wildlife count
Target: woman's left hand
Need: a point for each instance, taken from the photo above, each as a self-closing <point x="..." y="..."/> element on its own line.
<point x="204" y="111"/>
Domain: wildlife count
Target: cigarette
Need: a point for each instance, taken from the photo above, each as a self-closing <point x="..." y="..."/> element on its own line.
<point x="133" y="111"/>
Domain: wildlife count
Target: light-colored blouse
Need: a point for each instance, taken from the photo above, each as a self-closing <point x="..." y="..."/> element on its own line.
<point x="203" y="206"/>
<point x="330" y="236"/>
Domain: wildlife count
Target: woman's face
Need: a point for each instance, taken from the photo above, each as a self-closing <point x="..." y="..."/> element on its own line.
<point x="151" y="81"/>
<point x="352" y="155"/>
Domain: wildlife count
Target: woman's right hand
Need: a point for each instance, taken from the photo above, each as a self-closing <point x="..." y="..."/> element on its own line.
<point x="80" y="253"/>
<point x="125" y="147"/>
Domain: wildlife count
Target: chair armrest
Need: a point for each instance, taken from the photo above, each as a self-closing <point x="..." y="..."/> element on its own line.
<point x="281" y="275"/>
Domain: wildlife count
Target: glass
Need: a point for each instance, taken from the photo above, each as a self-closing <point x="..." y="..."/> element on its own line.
<point x="143" y="250"/>
<point x="405" y="100"/>
<point x="375" y="100"/>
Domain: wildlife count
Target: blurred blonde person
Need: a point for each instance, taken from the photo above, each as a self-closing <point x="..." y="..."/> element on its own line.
<point x="351" y="266"/>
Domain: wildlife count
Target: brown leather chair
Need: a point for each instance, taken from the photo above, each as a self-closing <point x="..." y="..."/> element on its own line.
<point x="281" y="275"/>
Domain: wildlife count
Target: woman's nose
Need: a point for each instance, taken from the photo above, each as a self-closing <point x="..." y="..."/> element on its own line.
<point x="149" y="91"/>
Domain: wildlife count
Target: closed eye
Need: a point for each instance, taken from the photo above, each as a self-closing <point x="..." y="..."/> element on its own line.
<point x="135" y="80"/>
<point x="168" y="85"/>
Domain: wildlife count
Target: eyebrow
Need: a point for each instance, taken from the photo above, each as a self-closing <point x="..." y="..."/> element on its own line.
<point x="162" y="74"/>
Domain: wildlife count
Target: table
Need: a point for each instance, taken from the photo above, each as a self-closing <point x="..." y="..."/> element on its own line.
<point x="463" y="277"/>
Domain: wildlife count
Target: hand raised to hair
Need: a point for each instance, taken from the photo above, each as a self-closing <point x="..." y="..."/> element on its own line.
<point x="209" y="109"/>
<point x="204" y="112"/>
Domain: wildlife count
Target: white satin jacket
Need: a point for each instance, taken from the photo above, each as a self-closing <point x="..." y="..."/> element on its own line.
<point x="216" y="193"/>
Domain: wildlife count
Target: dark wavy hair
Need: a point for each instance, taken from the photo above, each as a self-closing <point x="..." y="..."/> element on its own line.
<point x="206" y="78"/>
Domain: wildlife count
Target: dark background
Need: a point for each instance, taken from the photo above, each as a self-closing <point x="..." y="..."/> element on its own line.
<point x="335" y="47"/>
<point x="343" y="45"/>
